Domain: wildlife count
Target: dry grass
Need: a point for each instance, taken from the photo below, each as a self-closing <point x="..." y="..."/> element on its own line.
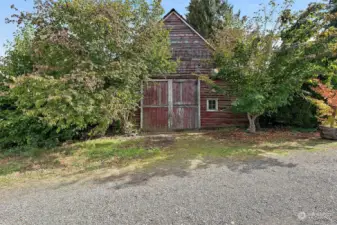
<point x="120" y="155"/>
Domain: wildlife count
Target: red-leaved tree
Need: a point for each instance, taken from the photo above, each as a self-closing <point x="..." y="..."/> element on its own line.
<point x="330" y="97"/>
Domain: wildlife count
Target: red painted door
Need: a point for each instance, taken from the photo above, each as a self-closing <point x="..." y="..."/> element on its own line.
<point x="155" y="106"/>
<point x="185" y="104"/>
<point x="170" y="105"/>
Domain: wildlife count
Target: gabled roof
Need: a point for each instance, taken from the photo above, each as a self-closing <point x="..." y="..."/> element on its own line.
<point x="173" y="11"/>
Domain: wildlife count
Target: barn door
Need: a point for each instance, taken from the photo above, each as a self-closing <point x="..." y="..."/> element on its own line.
<point x="185" y="104"/>
<point x="170" y="105"/>
<point x="155" y="106"/>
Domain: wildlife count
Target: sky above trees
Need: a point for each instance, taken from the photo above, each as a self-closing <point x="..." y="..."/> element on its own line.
<point x="247" y="7"/>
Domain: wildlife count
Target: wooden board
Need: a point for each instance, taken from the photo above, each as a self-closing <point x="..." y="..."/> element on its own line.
<point x="185" y="104"/>
<point x="170" y="105"/>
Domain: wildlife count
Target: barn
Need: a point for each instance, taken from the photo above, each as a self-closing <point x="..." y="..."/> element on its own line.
<point x="182" y="101"/>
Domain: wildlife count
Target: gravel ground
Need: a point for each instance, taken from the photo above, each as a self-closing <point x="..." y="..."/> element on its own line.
<point x="297" y="189"/>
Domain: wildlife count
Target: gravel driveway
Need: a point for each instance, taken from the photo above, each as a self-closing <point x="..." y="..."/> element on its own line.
<point x="297" y="189"/>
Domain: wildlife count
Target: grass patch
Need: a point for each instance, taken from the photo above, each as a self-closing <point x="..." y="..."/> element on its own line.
<point x="118" y="149"/>
<point x="175" y="150"/>
<point x="9" y="168"/>
<point x="200" y="145"/>
<point x="129" y="153"/>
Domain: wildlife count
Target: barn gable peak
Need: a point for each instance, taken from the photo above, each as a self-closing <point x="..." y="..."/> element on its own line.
<point x="174" y="12"/>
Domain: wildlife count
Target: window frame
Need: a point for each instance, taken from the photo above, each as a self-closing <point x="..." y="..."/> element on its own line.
<point x="216" y="105"/>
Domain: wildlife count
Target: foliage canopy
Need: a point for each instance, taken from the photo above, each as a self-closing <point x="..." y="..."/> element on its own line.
<point x="206" y="16"/>
<point x="330" y="98"/>
<point x="84" y="61"/>
<point x="263" y="61"/>
<point x="90" y="58"/>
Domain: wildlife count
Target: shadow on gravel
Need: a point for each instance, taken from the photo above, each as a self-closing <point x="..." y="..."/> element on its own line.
<point x="261" y="164"/>
<point x="142" y="176"/>
<point x="182" y="169"/>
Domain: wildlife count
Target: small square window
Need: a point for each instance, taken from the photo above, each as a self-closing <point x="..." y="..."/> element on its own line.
<point x="212" y="105"/>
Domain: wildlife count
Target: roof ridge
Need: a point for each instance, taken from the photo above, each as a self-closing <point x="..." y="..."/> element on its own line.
<point x="186" y="23"/>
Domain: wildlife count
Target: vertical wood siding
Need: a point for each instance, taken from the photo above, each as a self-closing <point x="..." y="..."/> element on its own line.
<point x="185" y="118"/>
<point x="224" y="116"/>
<point x="155" y="94"/>
<point x="185" y="104"/>
<point x="178" y="108"/>
<point x="155" y="106"/>
<point x="155" y="119"/>
<point x="188" y="47"/>
<point x="160" y="113"/>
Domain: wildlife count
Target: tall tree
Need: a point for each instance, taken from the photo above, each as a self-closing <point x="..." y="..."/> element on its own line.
<point x="262" y="71"/>
<point x="333" y="10"/>
<point x="208" y="15"/>
<point x="18" y="59"/>
<point x="89" y="58"/>
<point x="19" y="131"/>
<point x="313" y="29"/>
<point x="323" y="51"/>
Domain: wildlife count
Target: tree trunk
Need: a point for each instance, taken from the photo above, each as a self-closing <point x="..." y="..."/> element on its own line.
<point x="252" y="125"/>
<point x="257" y="124"/>
<point x="334" y="113"/>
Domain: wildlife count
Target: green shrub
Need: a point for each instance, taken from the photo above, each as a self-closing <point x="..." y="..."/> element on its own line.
<point x="19" y="133"/>
<point x="299" y="113"/>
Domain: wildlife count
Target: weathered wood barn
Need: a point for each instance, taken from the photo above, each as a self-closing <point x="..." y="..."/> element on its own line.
<point x="182" y="101"/>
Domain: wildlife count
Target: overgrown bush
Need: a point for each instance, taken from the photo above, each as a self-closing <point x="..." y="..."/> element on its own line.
<point x="19" y="133"/>
<point x="77" y="66"/>
<point x="299" y="113"/>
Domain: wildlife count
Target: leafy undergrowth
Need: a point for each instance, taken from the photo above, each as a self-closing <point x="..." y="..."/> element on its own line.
<point x="271" y="135"/>
<point x="122" y="155"/>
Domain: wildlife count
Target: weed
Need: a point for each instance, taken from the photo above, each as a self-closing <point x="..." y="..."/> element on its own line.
<point x="173" y="150"/>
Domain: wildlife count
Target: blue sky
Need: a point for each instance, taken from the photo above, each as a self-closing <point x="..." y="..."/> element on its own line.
<point x="247" y="7"/>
